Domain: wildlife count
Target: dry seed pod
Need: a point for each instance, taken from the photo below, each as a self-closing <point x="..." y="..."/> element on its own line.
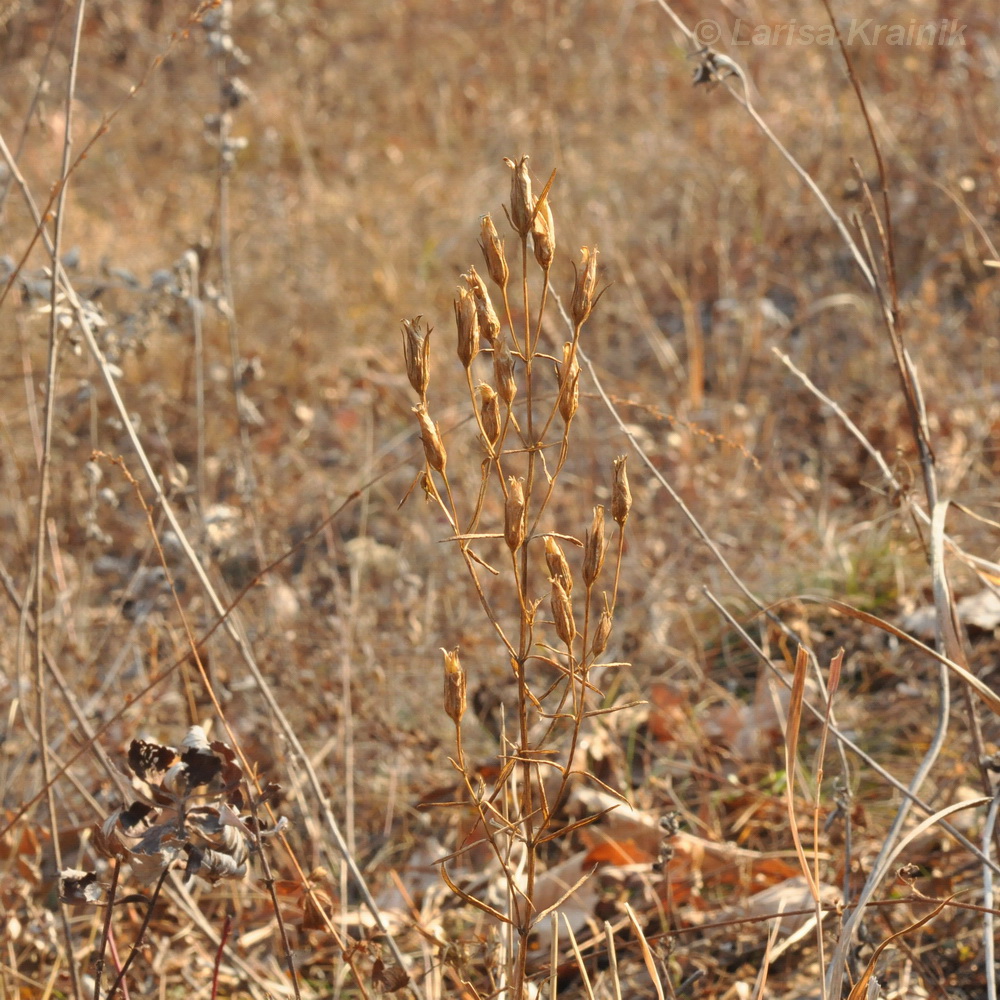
<point x="492" y="247"/>
<point x="593" y="548"/>
<point x="489" y="325"/>
<point x="586" y="280"/>
<point x="569" y="383"/>
<point x="503" y="370"/>
<point x="522" y="202"/>
<point x="514" y="515"/>
<point x="562" y="613"/>
<point x="468" y="327"/>
<point x="455" y="683"/>
<point x="543" y="234"/>
<point x="431" y="437"/>
<point x="621" y="494"/>
<point x="416" y="351"/>
<point x="602" y="633"/>
<point x="555" y="559"/>
<point x="489" y="413"/>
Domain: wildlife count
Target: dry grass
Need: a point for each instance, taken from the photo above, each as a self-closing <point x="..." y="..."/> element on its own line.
<point x="284" y="431"/>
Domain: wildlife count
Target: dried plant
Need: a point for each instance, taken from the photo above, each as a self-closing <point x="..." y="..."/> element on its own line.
<point x="186" y="817"/>
<point x="551" y="622"/>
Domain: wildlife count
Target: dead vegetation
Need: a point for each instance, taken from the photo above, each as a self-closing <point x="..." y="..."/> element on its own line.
<point x="618" y="629"/>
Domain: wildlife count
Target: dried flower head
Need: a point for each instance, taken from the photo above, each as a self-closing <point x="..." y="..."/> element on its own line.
<point x="492" y="247"/>
<point x="593" y="548"/>
<point x="621" y="494"/>
<point x="522" y="202"/>
<point x="489" y="324"/>
<point x="455" y="683"/>
<point x="431" y="437"/>
<point x="416" y="352"/>
<point x="514" y="515"/>
<point x="586" y="281"/>
<point x="467" y="323"/>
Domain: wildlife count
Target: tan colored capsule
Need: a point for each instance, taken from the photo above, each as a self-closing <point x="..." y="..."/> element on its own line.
<point x="593" y="548"/>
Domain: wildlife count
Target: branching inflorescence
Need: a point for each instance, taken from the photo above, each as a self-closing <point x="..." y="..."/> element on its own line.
<point x="551" y="613"/>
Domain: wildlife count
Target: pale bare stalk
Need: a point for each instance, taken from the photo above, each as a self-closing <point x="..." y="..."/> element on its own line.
<point x="989" y="939"/>
<point x="38" y="568"/>
<point x="197" y="327"/>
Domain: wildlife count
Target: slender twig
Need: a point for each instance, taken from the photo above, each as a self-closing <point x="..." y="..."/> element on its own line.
<point x="989" y="940"/>
<point x="143" y="927"/>
<point x="106" y="927"/>
<point x="38" y="570"/>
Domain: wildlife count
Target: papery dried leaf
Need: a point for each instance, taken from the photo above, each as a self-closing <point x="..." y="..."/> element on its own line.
<point x="390" y="977"/>
<point x="617" y="852"/>
<point x="213" y="866"/>
<point x="203" y="767"/>
<point x="107" y="843"/>
<point x="206" y="820"/>
<point x="135" y="820"/>
<point x="270" y="795"/>
<point x="176" y="781"/>
<point x="232" y="769"/>
<point x="150" y="761"/>
<point x="149" y="865"/>
<point x="77" y="886"/>
<point x="195" y="739"/>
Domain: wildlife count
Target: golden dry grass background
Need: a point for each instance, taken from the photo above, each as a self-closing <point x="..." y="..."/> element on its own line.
<point x="375" y="137"/>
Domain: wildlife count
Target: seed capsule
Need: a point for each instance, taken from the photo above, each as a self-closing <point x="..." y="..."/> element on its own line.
<point x="489" y="413"/>
<point x="621" y="494"/>
<point x="503" y="371"/>
<point x="416" y="352"/>
<point x="555" y="559"/>
<point x="455" y="684"/>
<point x="431" y="437"/>
<point x="593" y="548"/>
<point x="522" y="202"/>
<point x="543" y="234"/>
<point x="489" y="325"/>
<point x="468" y="327"/>
<point x="492" y="247"/>
<point x="562" y="613"/>
<point x="513" y="520"/>
<point x="602" y="633"/>
<point x="569" y="384"/>
<point x="586" y="280"/>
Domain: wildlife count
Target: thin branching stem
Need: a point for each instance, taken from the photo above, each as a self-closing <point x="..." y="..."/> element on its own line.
<point x="39" y="570"/>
